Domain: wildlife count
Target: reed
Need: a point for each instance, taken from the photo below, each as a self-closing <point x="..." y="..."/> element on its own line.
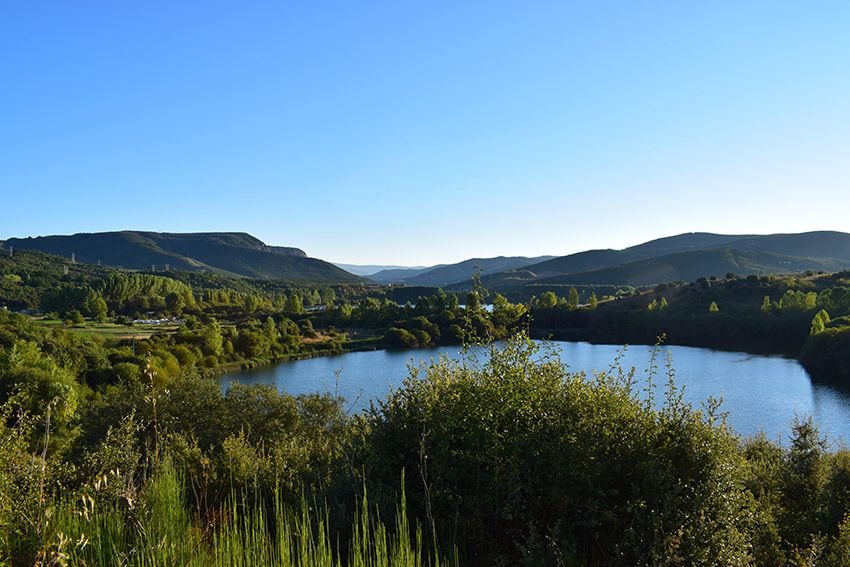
<point x="158" y="530"/>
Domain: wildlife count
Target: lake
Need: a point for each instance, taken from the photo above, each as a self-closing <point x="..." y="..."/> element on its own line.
<point x="759" y="393"/>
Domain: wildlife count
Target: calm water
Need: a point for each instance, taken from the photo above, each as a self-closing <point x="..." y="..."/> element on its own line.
<point x="760" y="393"/>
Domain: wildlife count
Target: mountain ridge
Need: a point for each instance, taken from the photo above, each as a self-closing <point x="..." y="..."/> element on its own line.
<point x="446" y="274"/>
<point x="686" y="257"/>
<point x="230" y="253"/>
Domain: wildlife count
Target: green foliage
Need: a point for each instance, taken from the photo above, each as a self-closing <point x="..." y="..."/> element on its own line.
<point x="124" y="291"/>
<point x="573" y="300"/>
<point x="527" y="454"/>
<point x="835" y="298"/>
<point x="235" y="254"/>
<point x="819" y="322"/>
<point x="826" y="354"/>
<point x="543" y="467"/>
<point x="796" y="300"/>
<point x="156" y="529"/>
<point x="713" y="307"/>
<point x="39" y="387"/>
<point x="401" y="338"/>
<point x="547" y="299"/>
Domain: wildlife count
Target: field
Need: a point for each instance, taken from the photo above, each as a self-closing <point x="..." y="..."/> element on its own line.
<point x="112" y="330"/>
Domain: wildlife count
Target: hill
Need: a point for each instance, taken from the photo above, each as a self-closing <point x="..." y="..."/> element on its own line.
<point x="823" y="250"/>
<point x="446" y="274"/>
<point x="805" y="245"/>
<point x="683" y="257"/>
<point x="689" y="266"/>
<point x="368" y="270"/>
<point x="399" y="275"/>
<point x="230" y="253"/>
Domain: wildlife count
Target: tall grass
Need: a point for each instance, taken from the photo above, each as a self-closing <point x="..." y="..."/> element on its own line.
<point x="158" y="531"/>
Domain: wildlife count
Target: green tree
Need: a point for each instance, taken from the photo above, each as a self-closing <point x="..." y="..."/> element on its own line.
<point x="211" y="338"/>
<point x="819" y="322"/>
<point x="593" y="302"/>
<point x="307" y="329"/>
<point x="174" y="302"/>
<point x="294" y="304"/>
<point x="804" y="484"/>
<point x="75" y="318"/>
<point x="663" y="304"/>
<point x="270" y="329"/>
<point x="713" y="307"/>
<point x="328" y="298"/>
<point x="252" y="343"/>
<point x="573" y="301"/>
<point x="765" y="304"/>
<point x="41" y="388"/>
<point x="547" y="299"/>
<point x="400" y="337"/>
<point x="478" y="294"/>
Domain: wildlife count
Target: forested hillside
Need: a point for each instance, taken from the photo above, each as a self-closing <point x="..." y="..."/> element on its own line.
<point x="684" y="257"/>
<point x="229" y="253"/>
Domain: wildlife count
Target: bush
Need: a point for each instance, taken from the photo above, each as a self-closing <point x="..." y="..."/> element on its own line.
<point x="541" y="464"/>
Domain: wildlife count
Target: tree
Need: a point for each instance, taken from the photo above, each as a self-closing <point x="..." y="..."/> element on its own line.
<point x="476" y="297"/>
<point x="593" y="302"/>
<point x="400" y="337"/>
<point x="652" y="305"/>
<point x="804" y="482"/>
<point x="713" y="307"/>
<point x="307" y="329"/>
<point x="270" y="329"/>
<point x="328" y="298"/>
<point x="294" y="304"/>
<point x="422" y="337"/>
<point x="75" y="318"/>
<point x="663" y="304"/>
<point x="211" y="339"/>
<point x="574" y="299"/>
<point x="765" y="304"/>
<point x="96" y="308"/>
<point x="819" y="322"/>
<point x="174" y="302"/>
<point x="473" y="301"/>
<point x="42" y="388"/>
<point x="252" y="343"/>
<point x="547" y="299"/>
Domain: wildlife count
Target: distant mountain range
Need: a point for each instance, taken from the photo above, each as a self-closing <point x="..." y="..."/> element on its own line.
<point x="684" y="257"/>
<point x="369" y="269"/>
<point x="231" y="253"/>
<point x="447" y="274"/>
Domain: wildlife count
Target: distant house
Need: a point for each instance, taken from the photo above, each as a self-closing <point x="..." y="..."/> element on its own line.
<point x="165" y="321"/>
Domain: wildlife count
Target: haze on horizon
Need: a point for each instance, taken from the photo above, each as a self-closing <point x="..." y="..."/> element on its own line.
<point x="418" y="135"/>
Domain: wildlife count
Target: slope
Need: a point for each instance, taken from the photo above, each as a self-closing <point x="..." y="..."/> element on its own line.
<point x="447" y="274"/>
<point x="226" y="252"/>
<point x="689" y="266"/>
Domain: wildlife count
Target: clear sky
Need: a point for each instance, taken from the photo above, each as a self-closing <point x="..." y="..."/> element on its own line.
<point x="425" y="132"/>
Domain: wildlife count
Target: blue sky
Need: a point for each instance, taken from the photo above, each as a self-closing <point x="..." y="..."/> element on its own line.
<point x="418" y="133"/>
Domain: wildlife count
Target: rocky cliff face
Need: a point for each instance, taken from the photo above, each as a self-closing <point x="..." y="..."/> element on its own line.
<point x="286" y="251"/>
